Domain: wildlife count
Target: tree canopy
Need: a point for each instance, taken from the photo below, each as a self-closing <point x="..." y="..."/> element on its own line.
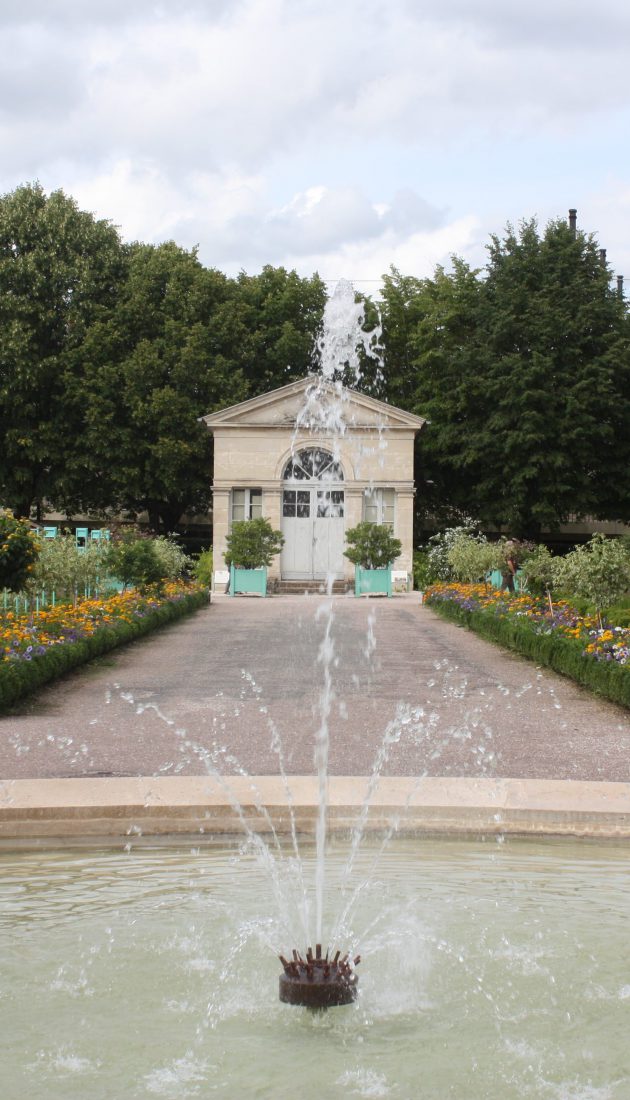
<point x="524" y="374"/>
<point x="60" y="273"/>
<point x="110" y="353"/>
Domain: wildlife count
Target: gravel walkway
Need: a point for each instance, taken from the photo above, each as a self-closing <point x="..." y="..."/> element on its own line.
<point x="246" y="673"/>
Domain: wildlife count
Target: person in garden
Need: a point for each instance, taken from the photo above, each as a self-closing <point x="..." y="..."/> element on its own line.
<point x="509" y="571"/>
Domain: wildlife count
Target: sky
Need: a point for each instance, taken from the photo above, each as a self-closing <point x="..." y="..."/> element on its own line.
<point x="338" y="136"/>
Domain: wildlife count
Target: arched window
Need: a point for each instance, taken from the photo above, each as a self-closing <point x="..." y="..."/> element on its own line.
<point x="313" y="464"/>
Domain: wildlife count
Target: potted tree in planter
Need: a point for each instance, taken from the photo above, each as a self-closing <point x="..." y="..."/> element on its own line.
<point x="251" y="545"/>
<point x="372" y="549"/>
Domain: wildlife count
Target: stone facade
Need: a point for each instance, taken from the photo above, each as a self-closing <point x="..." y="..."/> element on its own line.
<point x="254" y="443"/>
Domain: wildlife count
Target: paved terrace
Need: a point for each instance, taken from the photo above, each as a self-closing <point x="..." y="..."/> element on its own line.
<point x="230" y="673"/>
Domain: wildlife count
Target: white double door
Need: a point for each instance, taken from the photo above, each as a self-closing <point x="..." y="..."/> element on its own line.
<point x="313" y="529"/>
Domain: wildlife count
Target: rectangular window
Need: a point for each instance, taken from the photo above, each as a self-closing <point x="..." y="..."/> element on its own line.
<point x="330" y="503"/>
<point x="303" y="504"/>
<point x="288" y="502"/>
<point x="379" y="506"/>
<point x="296" y="502"/>
<point x="246" y="504"/>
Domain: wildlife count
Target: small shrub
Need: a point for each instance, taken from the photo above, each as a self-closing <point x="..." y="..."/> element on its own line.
<point x="174" y="561"/>
<point x="372" y="545"/>
<point x="203" y="568"/>
<point x="253" y="543"/>
<point x="598" y="571"/>
<point x="65" y="569"/>
<point x="439" y="546"/>
<point x="19" y="549"/>
<point x="421" y="570"/>
<point x="135" y="562"/>
<point x="471" y="558"/>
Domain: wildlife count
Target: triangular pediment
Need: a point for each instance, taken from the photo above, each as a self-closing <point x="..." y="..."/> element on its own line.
<point x="281" y="408"/>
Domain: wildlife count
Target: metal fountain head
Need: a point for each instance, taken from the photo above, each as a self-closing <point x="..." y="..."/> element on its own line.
<point x="318" y="981"/>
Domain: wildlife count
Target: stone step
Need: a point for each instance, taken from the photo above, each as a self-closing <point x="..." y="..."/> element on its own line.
<point x="297" y="588"/>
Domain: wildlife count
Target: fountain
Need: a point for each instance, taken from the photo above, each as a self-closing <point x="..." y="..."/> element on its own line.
<point x="150" y="971"/>
<point x="317" y="981"/>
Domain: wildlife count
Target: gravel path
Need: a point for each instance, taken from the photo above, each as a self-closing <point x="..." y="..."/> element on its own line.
<point x="449" y="703"/>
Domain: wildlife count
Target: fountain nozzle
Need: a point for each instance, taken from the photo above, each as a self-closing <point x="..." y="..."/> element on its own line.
<point x="318" y="982"/>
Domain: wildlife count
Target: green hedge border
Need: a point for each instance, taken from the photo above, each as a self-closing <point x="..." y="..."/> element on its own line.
<point x="21" y="678"/>
<point x="563" y="655"/>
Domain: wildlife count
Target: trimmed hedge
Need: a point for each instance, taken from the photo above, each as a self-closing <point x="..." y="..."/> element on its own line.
<point x="563" y="655"/>
<point x="21" y="678"/>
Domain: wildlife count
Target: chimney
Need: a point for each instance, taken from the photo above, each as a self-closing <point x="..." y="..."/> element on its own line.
<point x="573" y="220"/>
<point x="602" y="257"/>
<point x="620" y="286"/>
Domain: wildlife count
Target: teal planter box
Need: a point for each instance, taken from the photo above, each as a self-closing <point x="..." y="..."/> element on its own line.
<point x="251" y="581"/>
<point x="495" y="580"/>
<point x="371" y="581"/>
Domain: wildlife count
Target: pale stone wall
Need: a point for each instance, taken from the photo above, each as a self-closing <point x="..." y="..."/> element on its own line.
<point x="255" y="456"/>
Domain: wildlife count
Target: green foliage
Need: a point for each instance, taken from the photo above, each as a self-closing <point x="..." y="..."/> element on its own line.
<point x="439" y="547"/>
<point x="422" y="577"/>
<point x="539" y="570"/>
<point x="19" y="550"/>
<point x="524" y="375"/>
<point x="372" y="545"/>
<point x="60" y="271"/>
<point x="65" y="569"/>
<point x="135" y="561"/>
<point x="150" y="372"/>
<point x="203" y="568"/>
<point x="275" y="317"/>
<point x="598" y="571"/>
<point x="606" y="678"/>
<point x="175" y="563"/>
<point x="21" y="678"/>
<point x="472" y="558"/>
<point x="253" y="543"/>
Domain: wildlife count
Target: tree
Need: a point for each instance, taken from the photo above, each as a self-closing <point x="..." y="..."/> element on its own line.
<point x="279" y="315"/>
<point x="150" y="372"/>
<point x="524" y="376"/>
<point x="556" y="383"/>
<point x="60" y="270"/>
<point x="434" y="367"/>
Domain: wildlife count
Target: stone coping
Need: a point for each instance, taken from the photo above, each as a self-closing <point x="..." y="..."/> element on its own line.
<point x="46" y="810"/>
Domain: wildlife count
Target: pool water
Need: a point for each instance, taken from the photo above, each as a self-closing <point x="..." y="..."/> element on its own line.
<point x="490" y="970"/>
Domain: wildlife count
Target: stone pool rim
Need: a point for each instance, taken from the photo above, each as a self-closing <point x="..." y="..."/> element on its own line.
<point x="93" y="809"/>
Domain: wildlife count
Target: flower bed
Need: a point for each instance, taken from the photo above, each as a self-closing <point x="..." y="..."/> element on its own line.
<point x="35" y="649"/>
<point x="557" y="636"/>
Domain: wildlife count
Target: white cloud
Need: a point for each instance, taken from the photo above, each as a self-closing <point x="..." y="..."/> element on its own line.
<point x="186" y="120"/>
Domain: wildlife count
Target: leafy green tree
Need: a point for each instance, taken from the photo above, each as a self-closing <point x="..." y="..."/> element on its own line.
<point x="372" y="545"/>
<point x="524" y="376"/>
<point x="277" y="315"/>
<point x="556" y="384"/>
<point x="60" y="270"/>
<point x="19" y="550"/>
<point x="434" y="366"/>
<point x="150" y="372"/>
